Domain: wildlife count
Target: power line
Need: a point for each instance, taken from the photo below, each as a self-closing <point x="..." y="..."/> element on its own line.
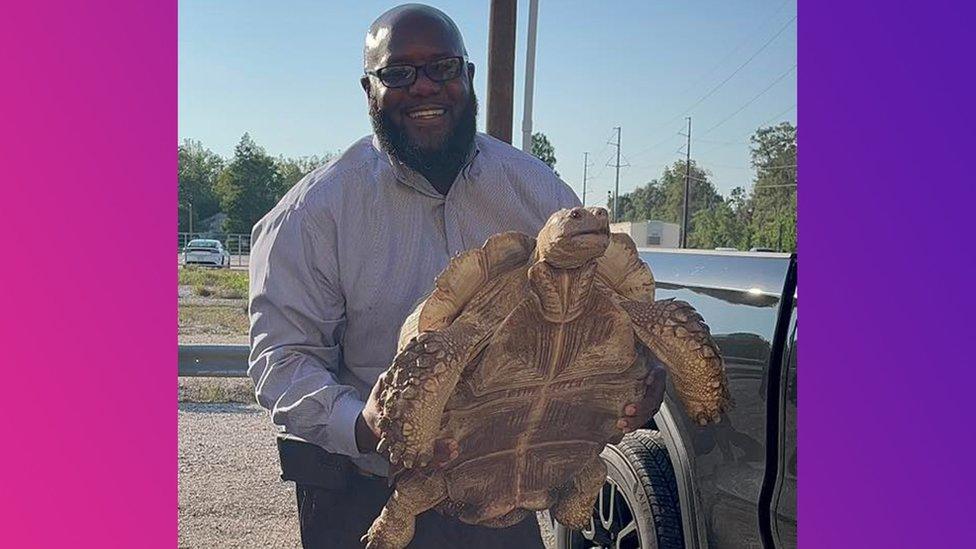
<point x="736" y="49"/>
<point x="720" y="144"/>
<point x="720" y="84"/>
<point x="740" y="67"/>
<point x="658" y="144"/>
<point x="606" y="145"/>
<point x="784" y="166"/>
<point x="774" y="117"/>
<point x="735" y="72"/>
<point x="760" y="94"/>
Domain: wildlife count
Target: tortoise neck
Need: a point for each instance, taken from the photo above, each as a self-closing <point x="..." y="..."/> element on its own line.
<point x="562" y="293"/>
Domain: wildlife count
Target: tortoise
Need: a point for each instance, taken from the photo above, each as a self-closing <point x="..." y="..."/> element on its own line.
<point x="525" y="353"/>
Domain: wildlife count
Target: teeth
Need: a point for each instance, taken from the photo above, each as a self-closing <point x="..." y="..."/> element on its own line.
<point x="427" y="113"/>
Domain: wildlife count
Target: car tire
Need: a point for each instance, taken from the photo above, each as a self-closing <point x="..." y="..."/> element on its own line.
<point x="641" y="483"/>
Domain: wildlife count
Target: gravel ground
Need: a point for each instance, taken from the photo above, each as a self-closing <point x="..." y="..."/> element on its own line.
<point x="230" y="491"/>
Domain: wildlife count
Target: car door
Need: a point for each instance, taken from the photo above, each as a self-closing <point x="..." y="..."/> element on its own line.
<point x="784" y="496"/>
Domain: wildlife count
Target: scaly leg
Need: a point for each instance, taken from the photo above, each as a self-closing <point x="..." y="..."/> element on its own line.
<point x="416" y="388"/>
<point x="414" y="494"/>
<point x="575" y="507"/>
<point x="678" y="336"/>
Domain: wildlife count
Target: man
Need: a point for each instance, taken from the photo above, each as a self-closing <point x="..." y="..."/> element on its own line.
<point x="341" y="261"/>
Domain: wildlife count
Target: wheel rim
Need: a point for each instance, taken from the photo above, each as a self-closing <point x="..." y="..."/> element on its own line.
<point x="613" y="524"/>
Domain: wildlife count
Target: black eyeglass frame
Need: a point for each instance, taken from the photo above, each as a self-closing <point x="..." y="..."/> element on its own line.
<point x="416" y="71"/>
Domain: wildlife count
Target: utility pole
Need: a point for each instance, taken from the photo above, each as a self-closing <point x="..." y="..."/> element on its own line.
<point x="529" y="77"/>
<point x="191" y="219"/>
<point x="684" y="215"/>
<point x="616" y="185"/>
<point x="501" y="69"/>
<point x="586" y="157"/>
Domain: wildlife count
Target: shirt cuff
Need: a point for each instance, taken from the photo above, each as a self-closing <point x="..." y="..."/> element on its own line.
<point x="342" y="427"/>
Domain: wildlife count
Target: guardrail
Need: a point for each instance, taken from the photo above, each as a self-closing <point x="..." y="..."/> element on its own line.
<point x="213" y="360"/>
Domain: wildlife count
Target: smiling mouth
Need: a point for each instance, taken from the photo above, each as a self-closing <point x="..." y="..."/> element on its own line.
<point x="426" y="114"/>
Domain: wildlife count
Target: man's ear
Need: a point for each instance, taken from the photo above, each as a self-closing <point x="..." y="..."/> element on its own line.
<point x="471" y="73"/>
<point x="364" y="82"/>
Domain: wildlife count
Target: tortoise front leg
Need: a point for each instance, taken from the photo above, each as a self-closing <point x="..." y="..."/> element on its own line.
<point x="678" y="336"/>
<point x="416" y="388"/>
<point x="414" y="494"/>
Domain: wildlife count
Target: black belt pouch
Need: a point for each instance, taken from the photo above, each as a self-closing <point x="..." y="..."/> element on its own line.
<point x="305" y="463"/>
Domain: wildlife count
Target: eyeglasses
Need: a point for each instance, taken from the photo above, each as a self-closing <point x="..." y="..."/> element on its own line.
<point x="401" y="76"/>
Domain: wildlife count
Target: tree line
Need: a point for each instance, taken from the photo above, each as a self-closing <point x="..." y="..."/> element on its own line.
<point x="244" y="187"/>
<point x="762" y="216"/>
<point x="250" y="183"/>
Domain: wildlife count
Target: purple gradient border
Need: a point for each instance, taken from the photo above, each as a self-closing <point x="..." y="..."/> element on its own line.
<point x="887" y="378"/>
<point x="89" y="134"/>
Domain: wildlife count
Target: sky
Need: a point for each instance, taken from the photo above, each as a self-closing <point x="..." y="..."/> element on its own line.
<point x="287" y="72"/>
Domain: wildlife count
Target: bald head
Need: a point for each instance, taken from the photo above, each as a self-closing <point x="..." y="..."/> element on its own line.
<point x="398" y="28"/>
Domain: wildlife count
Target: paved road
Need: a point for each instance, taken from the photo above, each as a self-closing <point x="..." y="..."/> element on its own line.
<point x="230" y="492"/>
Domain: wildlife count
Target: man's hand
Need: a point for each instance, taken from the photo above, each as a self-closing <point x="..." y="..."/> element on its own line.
<point x="636" y="414"/>
<point x="368" y="431"/>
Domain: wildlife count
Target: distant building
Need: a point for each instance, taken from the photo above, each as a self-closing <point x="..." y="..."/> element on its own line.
<point x="650" y="234"/>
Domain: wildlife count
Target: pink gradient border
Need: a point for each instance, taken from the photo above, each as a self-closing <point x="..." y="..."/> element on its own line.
<point x="89" y="135"/>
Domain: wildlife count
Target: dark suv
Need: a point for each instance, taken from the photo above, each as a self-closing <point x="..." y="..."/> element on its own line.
<point x="675" y="484"/>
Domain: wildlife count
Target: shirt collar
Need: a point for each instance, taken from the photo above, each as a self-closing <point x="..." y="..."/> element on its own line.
<point x="411" y="178"/>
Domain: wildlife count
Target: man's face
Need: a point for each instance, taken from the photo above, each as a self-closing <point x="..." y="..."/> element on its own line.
<point x="426" y="115"/>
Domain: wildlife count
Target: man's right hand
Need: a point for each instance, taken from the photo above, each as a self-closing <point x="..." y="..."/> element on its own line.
<point x="368" y="431"/>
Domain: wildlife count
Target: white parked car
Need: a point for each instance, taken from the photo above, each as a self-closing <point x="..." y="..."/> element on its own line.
<point x="206" y="252"/>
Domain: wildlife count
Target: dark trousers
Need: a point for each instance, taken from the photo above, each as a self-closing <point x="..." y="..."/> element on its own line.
<point x="338" y="518"/>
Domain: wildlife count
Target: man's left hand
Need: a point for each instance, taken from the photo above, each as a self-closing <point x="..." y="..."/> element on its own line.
<point x="636" y="414"/>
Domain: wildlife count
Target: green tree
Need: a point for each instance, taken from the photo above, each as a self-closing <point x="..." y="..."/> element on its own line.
<point x="718" y="226"/>
<point x="772" y="219"/>
<point x="248" y="186"/>
<point x="638" y="204"/>
<point x="672" y="183"/>
<point x="292" y="170"/>
<point x="543" y="150"/>
<point x="197" y="170"/>
<point x="663" y="199"/>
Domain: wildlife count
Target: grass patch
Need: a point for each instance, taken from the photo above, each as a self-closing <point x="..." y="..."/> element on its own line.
<point x="213" y="319"/>
<point x="201" y="290"/>
<point x="216" y="389"/>
<point x="225" y="283"/>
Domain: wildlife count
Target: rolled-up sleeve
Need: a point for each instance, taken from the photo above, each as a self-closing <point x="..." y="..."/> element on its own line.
<point x="297" y="321"/>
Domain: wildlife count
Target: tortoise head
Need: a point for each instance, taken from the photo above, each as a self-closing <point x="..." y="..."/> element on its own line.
<point x="573" y="237"/>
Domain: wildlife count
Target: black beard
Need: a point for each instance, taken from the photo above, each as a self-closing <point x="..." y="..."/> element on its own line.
<point x="443" y="162"/>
